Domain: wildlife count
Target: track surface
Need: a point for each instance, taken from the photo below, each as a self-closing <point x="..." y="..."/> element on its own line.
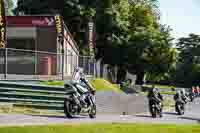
<point x="192" y="116"/>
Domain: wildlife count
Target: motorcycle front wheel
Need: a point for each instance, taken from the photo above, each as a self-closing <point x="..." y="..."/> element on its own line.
<point x="180" y="109"/>
<point x="154" y="112"/>
<point x="92" y="112"/>
<point x="68" y="109"/>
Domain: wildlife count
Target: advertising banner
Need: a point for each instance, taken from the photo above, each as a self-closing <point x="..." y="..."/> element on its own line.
<point x="91" y="38"/>
<point x="59" y="28"/>
<point x="2" y="25"/>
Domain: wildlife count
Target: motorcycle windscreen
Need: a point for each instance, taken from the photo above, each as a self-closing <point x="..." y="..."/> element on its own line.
<point x="81" y="88"/>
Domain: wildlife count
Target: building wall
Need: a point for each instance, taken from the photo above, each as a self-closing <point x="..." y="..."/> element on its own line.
<point x="38" y="33"/>
<point x="71" y="53"/>
<point x="46" y="39"/>
<point x="18" y="61"/>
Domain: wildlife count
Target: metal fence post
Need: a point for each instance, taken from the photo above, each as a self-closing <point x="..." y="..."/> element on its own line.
<point x="71" y="56"/>
<point x="5" y="63"/>
<point x="94" y="64"/>
<point x="63" y="65"/>
<point x="35" y="64"/>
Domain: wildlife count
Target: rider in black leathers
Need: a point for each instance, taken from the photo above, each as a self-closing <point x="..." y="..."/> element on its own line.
<point x="155" y="96"/>
<point x="180" y="95"/>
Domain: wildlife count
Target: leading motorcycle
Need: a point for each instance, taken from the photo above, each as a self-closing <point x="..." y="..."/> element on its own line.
<point x="78" y="100"/>
<point x="156" y="109"/>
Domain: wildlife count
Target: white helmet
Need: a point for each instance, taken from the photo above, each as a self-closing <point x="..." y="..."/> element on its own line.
<point x="78" y="74"/>
<point x="183" y="91"/>
<point x="178" y="92"/>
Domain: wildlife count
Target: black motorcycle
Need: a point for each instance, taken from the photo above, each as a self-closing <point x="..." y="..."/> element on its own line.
<point x="75" y="104"/>
<point x="156" y="109"/>
<point x="180" y="107"/>
<point x="191" y="96"/>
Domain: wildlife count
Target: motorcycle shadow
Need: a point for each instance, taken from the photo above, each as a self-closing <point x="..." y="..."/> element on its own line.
<point x="144" y="116"/>
<point x="170" y="113"/>
<point x="190" y="118"/>
<point x="60" y="117"/>
<point x="149" y="116"/>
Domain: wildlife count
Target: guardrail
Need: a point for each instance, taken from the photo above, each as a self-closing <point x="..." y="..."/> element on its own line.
<point x="35" y="96"/>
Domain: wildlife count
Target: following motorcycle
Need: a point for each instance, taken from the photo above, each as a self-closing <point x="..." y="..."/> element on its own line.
<point x="191" y="96"/>
<point x="180" y="107"/>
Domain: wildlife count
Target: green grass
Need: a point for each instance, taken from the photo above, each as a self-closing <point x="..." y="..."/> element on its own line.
<point x="53" y="83"/>
<point x="99" y="85"/>
<point x="104" y="128"/>
<point x="104" y="85"/>
<point x="168" y="92"/>
<point x="160" y="86"/>
<point x="168" y="102"/>
<point x="162" y="92"/>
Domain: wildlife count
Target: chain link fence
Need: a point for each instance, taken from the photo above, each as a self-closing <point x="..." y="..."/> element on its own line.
<point x="18" y="64"/>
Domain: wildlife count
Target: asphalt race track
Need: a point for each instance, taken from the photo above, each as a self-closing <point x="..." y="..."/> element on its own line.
<point x="192" y="116"/>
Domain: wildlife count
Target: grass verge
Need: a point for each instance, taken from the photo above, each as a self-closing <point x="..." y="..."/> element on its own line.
<point x="53" y="83"/>
<point x="104" y="128"/>
<point x="99" y="84"/>
<point x="104" y="85"/>
<point x="162" y="92"/>
<point x="160" y="86"/>
<point x="168" y="102"/>
<point x="26" y="110"/>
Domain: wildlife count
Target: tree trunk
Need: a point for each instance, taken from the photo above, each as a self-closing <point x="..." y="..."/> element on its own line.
<point x="140" y="78"/>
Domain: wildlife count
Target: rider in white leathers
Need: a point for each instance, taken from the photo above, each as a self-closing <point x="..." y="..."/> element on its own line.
<point x="77" y="80"/>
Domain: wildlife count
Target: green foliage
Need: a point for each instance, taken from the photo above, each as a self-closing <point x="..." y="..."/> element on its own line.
<point x="10" y="5"/>
<point x="188" y="67"/>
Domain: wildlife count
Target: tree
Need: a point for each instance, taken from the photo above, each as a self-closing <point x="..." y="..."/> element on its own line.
<point x="187" y="72"/>
<point x="113" y="37"/>
<point x="149" y="50"/>
<point x="10" y="5"/>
